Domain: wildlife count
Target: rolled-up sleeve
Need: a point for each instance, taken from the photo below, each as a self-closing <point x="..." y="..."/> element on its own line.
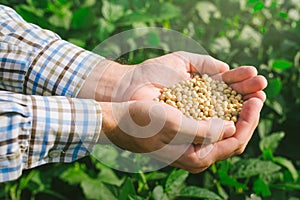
<point x="40" y="120"/>
<point x="37" y="61"/>
<point x="35" y="130"/>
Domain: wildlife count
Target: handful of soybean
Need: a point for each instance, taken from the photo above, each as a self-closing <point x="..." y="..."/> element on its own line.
<point x="203" y="98"/>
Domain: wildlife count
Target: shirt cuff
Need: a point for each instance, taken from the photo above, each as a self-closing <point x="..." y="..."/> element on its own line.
<point x="63" y="129"/>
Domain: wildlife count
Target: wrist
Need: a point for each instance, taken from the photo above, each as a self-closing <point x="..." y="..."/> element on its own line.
<point x="109" y="124"/>
<point x="102" y="81"/>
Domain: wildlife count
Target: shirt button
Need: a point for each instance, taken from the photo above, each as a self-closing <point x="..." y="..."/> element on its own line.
<point x="54" y="153"/>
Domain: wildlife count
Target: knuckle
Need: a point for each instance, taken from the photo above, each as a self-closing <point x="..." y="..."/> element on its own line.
<point x="197" y="171"/>
<point x="193" y="160"/>
<point x="240" y="150"/>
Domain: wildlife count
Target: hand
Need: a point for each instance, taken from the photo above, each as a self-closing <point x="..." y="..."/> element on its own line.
<point x="246" y="82"/>
<point x="134" y="83"/>
<point x="111" y="81"/>
<point x="173" y="143"/>
<point x="158" y="129"/>
<point x="146" y="79"/>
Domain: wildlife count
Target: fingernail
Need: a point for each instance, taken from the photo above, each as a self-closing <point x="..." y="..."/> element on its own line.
<point x="229" y="129"/>
<point x="220" y="129"/>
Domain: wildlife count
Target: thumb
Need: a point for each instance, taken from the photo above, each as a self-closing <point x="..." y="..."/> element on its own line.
<point x="204" y="64"/>
<point x="214" y="130"/>
<point x="206" y="131"/>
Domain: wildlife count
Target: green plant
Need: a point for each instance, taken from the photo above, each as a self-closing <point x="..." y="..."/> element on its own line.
<point x="265" y="34"/>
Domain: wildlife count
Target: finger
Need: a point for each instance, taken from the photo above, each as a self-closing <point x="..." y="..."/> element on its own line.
<point x="142" y="79"/>
<point x="213" y="130"/>
<point x="251" y="85"/>
<point x="199" y="157"/>
<point x="248" y="119"/>
<point x="260" y="95"/>
<point x="239" y="74"/>
<point x="202" y="132"/>
<point x="245" y="127"/>
<point x="147" y="92"/>
<point x="204" y="64"/>
<point x="189" y="160"/>
<point x="169" y="61"/>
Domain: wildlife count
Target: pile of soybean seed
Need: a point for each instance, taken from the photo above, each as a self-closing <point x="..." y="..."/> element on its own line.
<point x="203" y="98"/>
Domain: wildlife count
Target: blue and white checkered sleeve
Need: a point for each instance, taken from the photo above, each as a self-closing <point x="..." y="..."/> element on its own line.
<point x="36" y="130"/>
<point x="37" y="61"/>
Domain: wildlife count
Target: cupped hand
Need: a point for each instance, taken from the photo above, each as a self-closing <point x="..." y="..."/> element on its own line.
<point x="158" y="129"/>
<point x="113" y="82"/>
<point x="145" y="80"/>
<point x="245" y="81"/>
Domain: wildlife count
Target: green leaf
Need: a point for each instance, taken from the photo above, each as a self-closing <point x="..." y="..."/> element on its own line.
<point x="250" y="36"/>
<point x="88" y="3"/>
<point x="112" y="11"/>
<point x="287" y="186"/>
<point x="271" y="142"/>
<point x="142" y="182"/>
<point x="267" y="154"/>
<point x="294" y="198"/>
<point x="163" y="11"/>
<point x="281" y="64"/>
<point x="155" y="175"/>
<point x="251" y="167"/>
<point x="134" y="18"/>
<point x="107" y="175"/>
<point x="289" y="165"/>
<point x="197" y="192"/>
<point x="153" y="39"/>
<point x="276" y="106"/>
<point x="157" y="12"/>
<point x="206" y="10"/>
<point x="61" y="21"/>
<point x="283" y="15"/>
<point x="297" y="59"/>
<point x="106" y="154"/>
<point x="78" y="42"/>
<point x="83" y="18"/>
<point x="127" y="189"/>
<point x="104" y="29"/>
<point x="274" y="87"/>
<point x="175" y="181"/>
<point x="158" y="193"/>
<point x="61" y="14"/>
<point x="222" y="191"/>
<point x="264" y="127"/>
<point x="95" y="189"/>
<point x="31" y="14"/>
<point x="36" y="182"/>
<point x="272" y="178"/>
<point x="230" y="181"/>
<point x="74" y="175"/>
<point x="26" y="179"/>
<point x="258" y="6"/>
<point x="135" y="197"/>
<point x="261" y="188"/>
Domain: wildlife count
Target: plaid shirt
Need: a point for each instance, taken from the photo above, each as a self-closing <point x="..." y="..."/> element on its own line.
<point x="40" y="120"/>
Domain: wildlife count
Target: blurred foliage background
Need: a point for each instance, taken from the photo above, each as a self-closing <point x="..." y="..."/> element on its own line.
<point x="262" y="33"/>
